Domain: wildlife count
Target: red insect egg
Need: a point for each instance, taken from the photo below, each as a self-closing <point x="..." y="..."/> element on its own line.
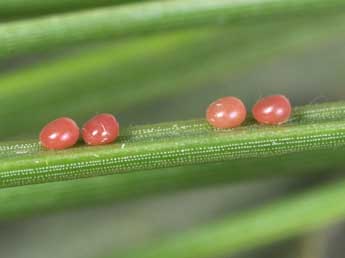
<point x="227" y="112"/>
<point x="272" y="110"/>
<point x="59" y="134"/>
<point x="101" y="129"/>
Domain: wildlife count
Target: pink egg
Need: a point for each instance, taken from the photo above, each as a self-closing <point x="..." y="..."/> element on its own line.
<point x="101" y="129"/>
<point x="227" y="112"/>
<point x="59" y="134"/>
<point x="272" y="110"/>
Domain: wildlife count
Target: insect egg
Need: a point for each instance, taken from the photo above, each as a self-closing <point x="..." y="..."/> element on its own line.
<point x="226" y="112"/>
<point x="59" y="134"/>
<point x="101" y="129"/>
<point x="274" y="110"/>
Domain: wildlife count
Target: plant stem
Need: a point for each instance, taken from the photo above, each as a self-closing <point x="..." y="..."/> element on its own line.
<point x="175" y="144"/>
<point x="264" y="225"/>
<point x="101" y="23"/>
<point x="14" y="9"/>
<point x="57" y="196"/>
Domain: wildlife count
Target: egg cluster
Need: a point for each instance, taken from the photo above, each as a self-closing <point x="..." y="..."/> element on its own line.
<point x="63" y="132"/>
<point x="226" y="112"/>
<point x="230" y="112"/>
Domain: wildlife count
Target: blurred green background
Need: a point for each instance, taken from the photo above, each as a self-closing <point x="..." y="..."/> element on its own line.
<point x="166" y="76"/>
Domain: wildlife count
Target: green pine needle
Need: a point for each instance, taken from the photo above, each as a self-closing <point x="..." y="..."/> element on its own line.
<point x="277" y="221"/>
<point x="102" y="23"/>
<point x="314" y="127"/>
